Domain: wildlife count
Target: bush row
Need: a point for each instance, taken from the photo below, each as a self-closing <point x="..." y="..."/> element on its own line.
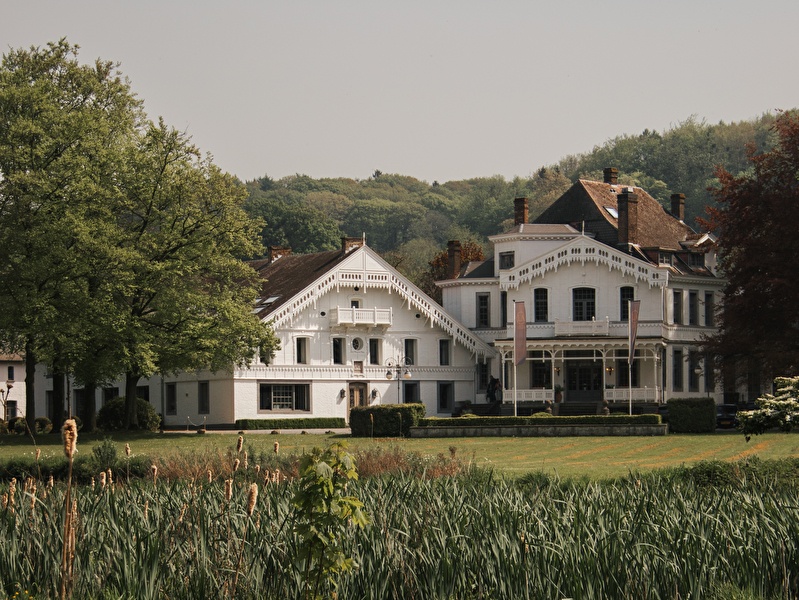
<point x="307" y="423"/>
<point x="540" y="419"/>
<point x="385" y="420"/>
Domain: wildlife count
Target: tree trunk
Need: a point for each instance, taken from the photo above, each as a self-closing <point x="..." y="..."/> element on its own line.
<point x="90" y="407"/>
<point x="131" y="414"/>
<point x="30" y="375"/>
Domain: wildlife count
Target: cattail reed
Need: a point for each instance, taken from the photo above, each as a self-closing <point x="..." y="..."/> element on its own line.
<point x="38" y="454"/>
<point x="146" y="508"/>
<point x="50" y="482"/>
<point x="277" y="447"/>
<point x="252" y="498"/>
<point x="127" y="450"/>
<point x="228" y="489"/>
<point x="257" y="469"/>
<point x="102" y="480"/>
<point x="69" y="433"/>
<point x="110" y="477"/>
<point x="236" y="464"/>
<point x="210" y="476"/>
<point x="154" y="471"/>
<point x="239" y="444"/>
<point x="245" y="463"/>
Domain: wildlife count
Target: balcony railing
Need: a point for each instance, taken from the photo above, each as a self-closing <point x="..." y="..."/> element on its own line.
<point x="371" y="317"/>
<point x="582" y="328"/>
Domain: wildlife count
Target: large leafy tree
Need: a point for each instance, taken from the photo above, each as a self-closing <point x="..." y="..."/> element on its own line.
<point x="62" y="125"/>
<point x="184" y="295"/>
<point x="756" y="216"/>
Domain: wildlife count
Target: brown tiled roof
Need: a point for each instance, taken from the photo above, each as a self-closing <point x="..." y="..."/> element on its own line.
<point x="288" y="275"/>
<point x="585" y="204"/>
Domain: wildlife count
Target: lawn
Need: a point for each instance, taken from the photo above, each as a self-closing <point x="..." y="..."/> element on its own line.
<point x="592" y="457"/>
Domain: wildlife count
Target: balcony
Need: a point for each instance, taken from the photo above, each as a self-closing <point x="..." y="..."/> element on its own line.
<point x="369" y="317"/>
<point x="582" y="328"/>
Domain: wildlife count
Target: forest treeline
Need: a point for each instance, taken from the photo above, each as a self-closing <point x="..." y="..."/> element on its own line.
<point x="409" y="221"/>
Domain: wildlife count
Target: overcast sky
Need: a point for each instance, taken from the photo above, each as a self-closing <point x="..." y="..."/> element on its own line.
<point x="438" y="90"/>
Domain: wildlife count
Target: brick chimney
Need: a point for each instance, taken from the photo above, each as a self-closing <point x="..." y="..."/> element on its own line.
<point x="454" y="256"/>
<point x="520" y="211"/>
<point x="628" y="217"/>
<point x="611" y="175"/>
<point x="276" y="252"/>
<point x="348" y="244"/>
<point x="678" y="206"/>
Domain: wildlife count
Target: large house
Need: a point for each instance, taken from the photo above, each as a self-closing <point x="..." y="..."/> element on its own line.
<point x="576" y="268"/>
<point x="353" y="332"/>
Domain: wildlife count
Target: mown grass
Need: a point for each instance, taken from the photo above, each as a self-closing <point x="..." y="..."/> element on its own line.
<point x="595" y="458"/>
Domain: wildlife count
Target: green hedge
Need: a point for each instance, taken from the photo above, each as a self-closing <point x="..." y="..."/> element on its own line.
<point x="301" y="423"/>
<point x="385" y="420"/>
<point x="111" y="417"/>
<point x="541" y="419"/>
<point x="692" y="415"/>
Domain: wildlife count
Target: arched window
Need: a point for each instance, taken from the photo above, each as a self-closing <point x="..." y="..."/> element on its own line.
<point x="583" y="304"/>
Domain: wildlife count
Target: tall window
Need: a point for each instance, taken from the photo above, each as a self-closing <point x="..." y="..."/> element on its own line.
<point x="302" y="351"/>
<point x="541" y="305"/>
<point x="171" y="392"/>
<point x="709" y="310"/>
<point x="506" y="260"/>
<point x="410" y="351"/>
<point x="694" y="371"/>
<point x="693" y="308"/>
<point x="584" y="304"/>
<point x="143" y="392"/>
<point x="677" y="307"/>
<point x="676" y="371"/>
<point x="483" y="372"/>
<point x="626" y="294"/>
<point x="203" y="398"/>
<point x="283" y="397"/>
<point x="503" y="307"/>
<point x="483" y="310"/>
<point x="10" y="373"/>
<point x="443" y="352"/>
<point x="446" y="396"/>
<point x="624" y="371"/>
<point x="374" y="351"/>
<point x="540" y="374"/>
<point x="110" y="393"/>
<point x="411" y="392"/>
<point x="338" y="351"/>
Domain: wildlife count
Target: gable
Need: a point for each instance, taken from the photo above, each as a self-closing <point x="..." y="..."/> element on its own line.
<point x="302" y="282"/>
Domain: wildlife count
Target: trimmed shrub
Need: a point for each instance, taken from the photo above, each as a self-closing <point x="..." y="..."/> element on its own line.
<point x="42" y="425"/>
<point x="309" y="423"/>
<point x="541" y="419"/>
<point x="111" y="417"/>
<point x="385" y="420"/>
<point x="692" y="415"/>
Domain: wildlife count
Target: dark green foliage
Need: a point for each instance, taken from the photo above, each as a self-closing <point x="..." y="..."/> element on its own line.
<point x="387" y="420"/>
<point x="104" y="455"/>
<point x="111" y="416"/>
<point x="692" y="415"/>
<point x="541" y="419"/>
<point x="310" y="423"/>
<point x="42" y="425"/>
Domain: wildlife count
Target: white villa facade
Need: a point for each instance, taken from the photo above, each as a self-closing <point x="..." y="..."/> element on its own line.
<point x="353" y="332"/>
<point x="575" y="269"/>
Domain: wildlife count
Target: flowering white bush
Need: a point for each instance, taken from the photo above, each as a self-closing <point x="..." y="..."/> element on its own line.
<point x="780" y="411"/>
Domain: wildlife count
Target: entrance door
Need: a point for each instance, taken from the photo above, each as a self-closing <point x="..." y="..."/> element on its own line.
<point x="583" y="381"/>
<point x="357" y="395"/>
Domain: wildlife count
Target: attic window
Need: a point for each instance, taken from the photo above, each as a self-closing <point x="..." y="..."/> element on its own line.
<point x="697" y="260"/>
<point x="664" y="258"/>
<point x="613" y="212"/>
<point x="506" y="260"/>
<point x="267" y="301"/>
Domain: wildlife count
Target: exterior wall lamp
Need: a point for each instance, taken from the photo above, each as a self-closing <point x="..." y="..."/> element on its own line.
<point x="398" y="369"/>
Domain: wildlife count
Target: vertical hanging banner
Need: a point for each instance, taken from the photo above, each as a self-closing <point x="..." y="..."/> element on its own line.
<point x="519" y="334"/>
<point x="635" y="306"/>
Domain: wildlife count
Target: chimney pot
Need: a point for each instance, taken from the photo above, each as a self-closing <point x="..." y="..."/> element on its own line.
<point x="520" y="211"/>
<point x="628" y="217"/>
<point x="678" y="206"/>
<point x="454" y="259"/>
<point x="611" y="175"/>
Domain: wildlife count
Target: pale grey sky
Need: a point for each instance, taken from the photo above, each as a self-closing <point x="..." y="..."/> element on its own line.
<point x="436" y="89"/>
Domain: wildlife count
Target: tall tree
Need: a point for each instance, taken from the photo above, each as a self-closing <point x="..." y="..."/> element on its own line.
<point x="62" y="125"/>
<point x="185" y="295"/>
<point x="756" y="216"/>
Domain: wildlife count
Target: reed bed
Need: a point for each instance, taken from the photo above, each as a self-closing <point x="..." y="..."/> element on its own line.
<point x="453" y="537"/>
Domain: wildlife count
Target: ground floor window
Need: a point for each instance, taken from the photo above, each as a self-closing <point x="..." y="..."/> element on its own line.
<point x="446" y="396"/>
<point x="411" y="392"/>
<point x="203" y="398"/>
<point x="284" y="397"/>
<point x="171" y="392"/>
<point x="540" y="374"/>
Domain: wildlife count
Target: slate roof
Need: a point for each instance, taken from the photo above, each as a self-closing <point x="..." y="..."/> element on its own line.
<point x="586" y="203"/>
<point x="289" y="275"/>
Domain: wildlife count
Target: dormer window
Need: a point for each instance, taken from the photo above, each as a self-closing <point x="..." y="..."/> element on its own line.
<point x="664" y="258"/>
<point x="696" y="259"/>
<point x="507" y="260"/>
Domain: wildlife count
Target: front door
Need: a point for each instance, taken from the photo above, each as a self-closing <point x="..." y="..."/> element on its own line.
<point x="583" y="381"/>
<point x="357" y="395"/>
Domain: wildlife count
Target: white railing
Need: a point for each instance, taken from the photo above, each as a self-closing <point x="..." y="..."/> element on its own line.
<point x="622" y="394"/>
<point x="361" y="316"/>
<point x="581" y="328"/>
